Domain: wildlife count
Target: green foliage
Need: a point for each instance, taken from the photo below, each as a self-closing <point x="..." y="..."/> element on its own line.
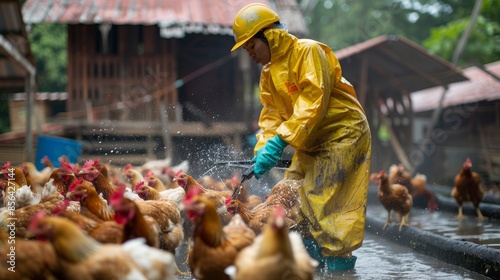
<point x="49" y="46"/>
<point x="435" y="24"/>
<point x="341" y="23"/>
<point x="483" y="45"/>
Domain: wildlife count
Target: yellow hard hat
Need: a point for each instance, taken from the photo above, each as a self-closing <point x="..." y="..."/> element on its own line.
<point x="250" y="20"/>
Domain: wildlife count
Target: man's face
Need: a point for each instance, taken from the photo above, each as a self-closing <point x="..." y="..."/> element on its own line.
<point x="258" y="51"/>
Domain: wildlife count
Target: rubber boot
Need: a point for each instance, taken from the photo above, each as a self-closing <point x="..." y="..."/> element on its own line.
<point x="314" y="250"/>
<point x="339" y="263"/>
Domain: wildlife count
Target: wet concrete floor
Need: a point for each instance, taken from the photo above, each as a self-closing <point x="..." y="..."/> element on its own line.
<point x="443" y="222"/>
<point x="379" y="258"/>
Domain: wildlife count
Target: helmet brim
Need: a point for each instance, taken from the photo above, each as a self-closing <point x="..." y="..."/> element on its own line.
<point x="239" y="44"/>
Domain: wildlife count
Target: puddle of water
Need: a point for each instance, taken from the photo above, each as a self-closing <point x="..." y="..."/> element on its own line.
<point x="381" y="259"/>
<point x="443" y="223"/>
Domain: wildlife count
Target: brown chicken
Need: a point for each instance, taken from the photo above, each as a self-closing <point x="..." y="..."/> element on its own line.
<point x="85" y="258"/>
<point x="218" y="198"/>
<point x="168" y="221"/>
<point x="133" y="176"/>
<point x="15" y="174"/>
<point x="101" y="184"/>
<point x="38" y="177"/>
<point x="33" y="259"/>
<point x="50" y="199"/>
<point x="275" y="254"/>
<point x="165" y="214"/>
<point x="250" y="201"/>
<point x="104" y="232"/>
<point x="91" y="205"/>
<point x="149" y="193"/>
<point x="63" y="177"/>
<point x="394" y="197"/>
<point x="135" y="224"/>
<point x="399" y="175"/>
<point x="284" y="194"/>
<point x="214" y="248"/>
<point x="467" y="187"/>
<point x="154" y="182"/>
<point x="419" y="186"/>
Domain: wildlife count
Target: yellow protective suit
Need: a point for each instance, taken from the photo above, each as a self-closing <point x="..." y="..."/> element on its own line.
<point x="308" y="103"/>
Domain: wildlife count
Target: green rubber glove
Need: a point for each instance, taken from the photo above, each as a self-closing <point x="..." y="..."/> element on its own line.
<point x="267" y="157"/>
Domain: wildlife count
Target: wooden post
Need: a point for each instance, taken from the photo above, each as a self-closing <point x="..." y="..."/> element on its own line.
<point x="85" y="87"/>
<point x="165" y="131"/>
<point x="400" y="152"/>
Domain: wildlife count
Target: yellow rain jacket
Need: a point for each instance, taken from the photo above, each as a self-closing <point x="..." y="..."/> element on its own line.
<point x="308" y="103"/>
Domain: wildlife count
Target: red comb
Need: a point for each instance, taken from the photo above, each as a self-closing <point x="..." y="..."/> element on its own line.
<point x="127" y="167"/>
<point x="88" y="164"/>
<point x="228" y="199"/>
<point x="139" y="185"/>
<point x="75" y="184"/>
<point x="192" y="193"/>
<point x="36" y="218"/>
<point x="60" y="207"/>
<point x="117" y="195"/>
<point x="6" y="165"/>
<point x="67" y="166"/>
<point x="149" y="174"/>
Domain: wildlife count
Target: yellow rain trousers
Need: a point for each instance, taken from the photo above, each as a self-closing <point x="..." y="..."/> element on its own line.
<point x="308" y="103"/>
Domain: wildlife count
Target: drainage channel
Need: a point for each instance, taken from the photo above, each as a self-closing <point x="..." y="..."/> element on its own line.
<point x="469" y="243"/>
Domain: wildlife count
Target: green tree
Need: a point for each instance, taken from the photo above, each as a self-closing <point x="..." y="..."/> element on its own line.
<point x="341" y="23"/>
<point x="435" y="24"/>
<point x="49" y="47"/>
<point x="483" y="45"/>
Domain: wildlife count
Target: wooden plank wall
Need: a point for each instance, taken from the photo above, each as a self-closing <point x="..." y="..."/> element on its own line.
<point x="126" y="85"/>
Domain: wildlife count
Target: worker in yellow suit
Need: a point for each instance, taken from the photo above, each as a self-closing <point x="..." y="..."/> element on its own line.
<point x="309" y="105"/>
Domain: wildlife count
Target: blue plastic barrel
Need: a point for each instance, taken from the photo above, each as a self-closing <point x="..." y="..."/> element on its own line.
<point x="54" y="147"/>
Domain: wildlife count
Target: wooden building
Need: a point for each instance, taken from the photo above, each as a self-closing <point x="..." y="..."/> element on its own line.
<point x="160" y="72"/>
<point x="467" y="126"/>
<point x="385" y="71"/>
<point x="17" y="74"/>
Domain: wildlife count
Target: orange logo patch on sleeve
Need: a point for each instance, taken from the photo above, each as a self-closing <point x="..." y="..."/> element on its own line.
<point x="291" y="87"/>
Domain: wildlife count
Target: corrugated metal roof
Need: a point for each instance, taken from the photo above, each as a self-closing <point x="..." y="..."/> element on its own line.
<point x="480" y="86"/>
<point x="175" y="18"/>
<point x="396" y="64"/>
<point x="12" y="30"/>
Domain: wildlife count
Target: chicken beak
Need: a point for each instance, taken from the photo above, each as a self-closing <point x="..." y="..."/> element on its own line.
<point x="69" y="195"/>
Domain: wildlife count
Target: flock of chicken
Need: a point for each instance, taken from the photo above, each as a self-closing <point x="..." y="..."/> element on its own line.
<point x="397" y="190"/>
<point x="105" y="222"/>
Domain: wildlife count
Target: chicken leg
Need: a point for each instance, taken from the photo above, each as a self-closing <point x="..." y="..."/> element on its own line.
<point x="480" y="215"/>
<point x="404" y="220"/>
<point x="460" y="215"/>
<point x="388" y="222"/>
